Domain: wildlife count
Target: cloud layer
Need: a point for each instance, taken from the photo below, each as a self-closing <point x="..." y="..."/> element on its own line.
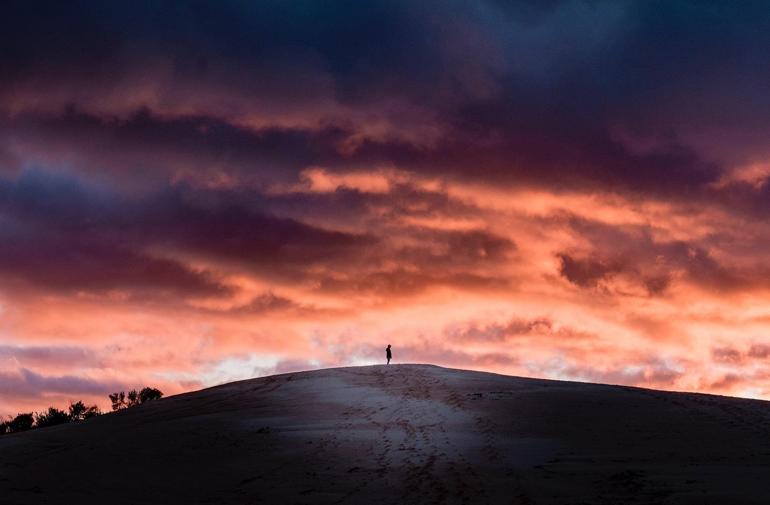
<point x="192" y="193"/>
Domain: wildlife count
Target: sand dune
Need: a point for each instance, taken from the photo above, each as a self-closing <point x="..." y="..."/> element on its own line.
<point x="402" y="434"/>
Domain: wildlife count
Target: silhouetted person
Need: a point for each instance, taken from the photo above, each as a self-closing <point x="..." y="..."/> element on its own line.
<point x="388" y="354"/>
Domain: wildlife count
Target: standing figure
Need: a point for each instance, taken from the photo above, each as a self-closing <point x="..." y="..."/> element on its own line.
<point x="388" y="354"/>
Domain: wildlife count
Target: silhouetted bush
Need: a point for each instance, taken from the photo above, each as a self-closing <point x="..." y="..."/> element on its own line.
<point x="118" y="401"/>
<point x="148" y="394"/>
<point x="52" y="417"/>
<point x="132" y="398"/>
<point x="21" y="422"/>
<point x="121" y="400"/>
<point x="79" y="411"/>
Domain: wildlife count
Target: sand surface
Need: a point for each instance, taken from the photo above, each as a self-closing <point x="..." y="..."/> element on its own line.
<point x="406" y="434"/>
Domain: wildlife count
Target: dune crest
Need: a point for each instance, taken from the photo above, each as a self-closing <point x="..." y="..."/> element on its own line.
<point x="402" y="434"/>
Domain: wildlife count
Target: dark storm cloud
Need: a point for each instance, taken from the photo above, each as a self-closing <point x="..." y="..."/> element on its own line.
<point x="402" y="283"/>
<point x="63" y="235"/>
<point x="66" y="235"/>
<point x="590" y="271"/>
<point x="147" y="150"/>
<point x="63" y="265"/>
<point x="634" y="253"/>
<point x="401" y="201"/>
<point x="460" y="259"/>
<point x="163" y="152"/>
<point x="207" y="42"/>
<point x="586" y="272"/>
<point x="236" y="233"/>
<point x="441" y="250"/>
<point x="564" y="94"/>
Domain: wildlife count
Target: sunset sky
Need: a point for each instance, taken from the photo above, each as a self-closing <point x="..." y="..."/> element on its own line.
<point x="198" y="192"/>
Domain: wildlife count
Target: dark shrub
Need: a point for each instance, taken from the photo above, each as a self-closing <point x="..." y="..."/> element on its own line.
<point x="79" y="411"/>
<point x="148" y="394"/>
<point x="3" y="427"/>
<point x="122" y="400"/>
<point x="92" y="411"/>
<point x="52" y="417"/>
<point x="21" y="422"/>
<point x="118" y="400"/>
<point x="133" y="398"/>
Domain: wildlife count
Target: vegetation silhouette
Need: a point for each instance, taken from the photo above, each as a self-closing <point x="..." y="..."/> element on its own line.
<point x="118" y="400"/>
<point x="52" y="417"/>
<point x="78" y="411"/>
<point x="148" y="394"/>
<point x="22" y="422"/>
<point x="121" y="400"/>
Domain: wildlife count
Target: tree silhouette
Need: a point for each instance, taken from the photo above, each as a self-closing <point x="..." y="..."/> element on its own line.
<point x="21" y="422"/>
<point x="148" y="394"/>
<point x="133" y="398"/>
<point x="52" y="417"/>
<point x="79" y="411"/>
<point x="118" y="401"/>
<point x="121" y="400"/>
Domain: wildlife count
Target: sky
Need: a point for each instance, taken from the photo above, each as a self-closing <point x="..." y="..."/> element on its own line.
<point x="198" y="192"/>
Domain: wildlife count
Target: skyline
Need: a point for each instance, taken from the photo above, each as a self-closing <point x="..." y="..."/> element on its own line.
<point x="194" y="193"/>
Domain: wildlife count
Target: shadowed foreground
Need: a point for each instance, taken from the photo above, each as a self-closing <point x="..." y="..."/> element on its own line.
<point x="402" y="434"/>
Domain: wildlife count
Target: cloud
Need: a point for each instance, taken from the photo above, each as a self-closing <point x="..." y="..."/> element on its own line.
<point x="586" y="272"/>
<point x="760" y="351"/>
<point x="63" y="266"/>
<point x="293" y="365"/>
<point x="650" y="373"/>
<point x="727" y="355"/>
<point x="404" y="283"/>
<point x="515" y="328"/>
<point x="214" y="105"/>
<point x="26" y="383"/>
<point x="170" y="173"/>
<point x="146" y="150"/>
<point x="64" y="237"/>
<point x="49" y="356"/>
<point x="728" y="382"/>
<point x="269" y="303"/>
<point x="454" y="248"/>
<point x="646" y="257"/>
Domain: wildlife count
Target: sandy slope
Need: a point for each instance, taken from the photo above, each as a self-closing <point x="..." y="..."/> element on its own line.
<point x="402" y="434"/>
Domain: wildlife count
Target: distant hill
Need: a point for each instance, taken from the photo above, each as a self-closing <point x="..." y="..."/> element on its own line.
<point x="405" y="434"/>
